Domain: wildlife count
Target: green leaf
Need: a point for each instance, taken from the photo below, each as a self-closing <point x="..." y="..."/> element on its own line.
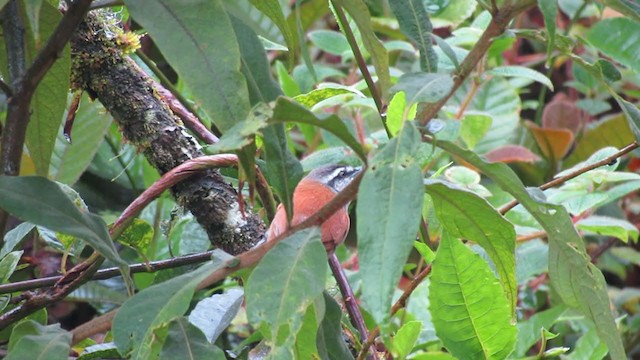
<point x="632" y="113"/>
<point x="398" y="113"/>
<point x="405" y="339"/>
<point x="283" y="169"/>
<point x="618" y="38"/>
<point x="529" y="330"/>
<point x="474" y="127"/>
<point x="317" y="95"/>
<point x="42" y="202"/>
<point x="185" y="341"/>
<point x="69" y="161"/>
<point x="523" y="72"/>
<point x="330" y="342"/>
<point x="470" y="313"/>
<point x="138" y="235"/>
<point x="424" y="87"/>
<point x="282" y="286"/>
<point x="446" y="50"/>
<point x="549" y="10"/>
<point x="14" y="237"/>
<point x="589" y="346"/>
<point x="134" y="324"/>
<point x="287" y="110"/>
<point x="532" y="259"/>
<point x="626" y="253"/>
<point x="287" y="83"/>
<point x="360" y="14"/>
<point x="8" y="265"/>
<point x="613" y="131"/>
<point x="242" y="133"/>
<point x="389" y="209"/>
<point x="100" y="351"/>
<point x="499" y="99"/>
<point x="97" y="293"/>
<point x="608" y="226"/>
<point x="415" y="24"/>
<point x="213" y="314"/>
<point x="330" y="41"/>
<point x="454" y="13"/>
<point x="466" y="215"/>
<point x="262" y="89"/>
<point x="579" y="283"/>
<point x="629" y="8"/>
<point x="273" y="10"/>
<point x="50" y="99"/>
<point x="196" y="38"/>
<point x="306" y="340"/>
<point x="30" y="340"/>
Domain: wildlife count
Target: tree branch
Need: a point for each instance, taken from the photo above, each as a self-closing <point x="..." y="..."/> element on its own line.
<point x="112" y="272"/>
<point x="562" y="179"/>
<point x="101" y="69"/>
<point x="497" y="26"/>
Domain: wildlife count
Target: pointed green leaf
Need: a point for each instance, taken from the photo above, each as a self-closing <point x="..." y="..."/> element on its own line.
<point x="50" y="99"/>
<point x="30" y="340"/>
<point x="8" y="265"/>
<point x="388" y="209"/>
<point x="283" y="285"/>
<point x="317" y="95"/>
<point x="579" y="283"/>
<point x="632" y="114"/>
<point x="466" y="215"/>
<point x="14" y="237"/>
<point x="42" y="202"/>
<point x="273" y="10"/>
<point x="185" y="341"/>
<point x="330" y="342"/>
<point x="608" y="226"/>
<point x="197" y="39"/>
<point x="398" y="113"/>
<point x="470" y="313"/>
<point x="618" y="38"/>
<point x="134" y="324"/>
<point x="415" y="24"/>
<point x="405" y="339"/>
<point x="305" y="344"/>
<point x="523" y="72"/>
<point x="360" y="14"/>
<point x="423" y="87"/>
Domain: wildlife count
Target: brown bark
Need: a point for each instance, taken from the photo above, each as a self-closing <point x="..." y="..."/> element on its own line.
<point x="101" y="69"/>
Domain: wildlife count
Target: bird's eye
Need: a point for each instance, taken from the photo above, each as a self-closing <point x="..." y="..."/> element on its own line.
<point x="342" y="173"/>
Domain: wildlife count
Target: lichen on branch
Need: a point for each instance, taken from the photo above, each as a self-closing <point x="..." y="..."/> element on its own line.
<point x="100" y="67"/>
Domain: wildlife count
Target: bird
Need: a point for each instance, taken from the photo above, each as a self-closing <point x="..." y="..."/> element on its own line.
<point x="314" y="191"/>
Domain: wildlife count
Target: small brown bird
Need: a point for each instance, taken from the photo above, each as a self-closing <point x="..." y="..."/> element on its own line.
<point x="314" y="191"/>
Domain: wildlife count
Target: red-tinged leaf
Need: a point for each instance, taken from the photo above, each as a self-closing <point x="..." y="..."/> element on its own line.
<point x="564" y="114"/>
<point x="510" y="154"/>
<point x="554" y="143"/>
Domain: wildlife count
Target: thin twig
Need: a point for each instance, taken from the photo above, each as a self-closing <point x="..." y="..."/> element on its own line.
<point x="497" y="26"/>
<point x="348" y="297"/>
<point x="399" y="304"/>
<point x="362" y="65"/>
<point x="562" y="179"/>
<point x="595" y="255"/>
<point x="534" y="235"/>
<point x="112" y="272"/>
